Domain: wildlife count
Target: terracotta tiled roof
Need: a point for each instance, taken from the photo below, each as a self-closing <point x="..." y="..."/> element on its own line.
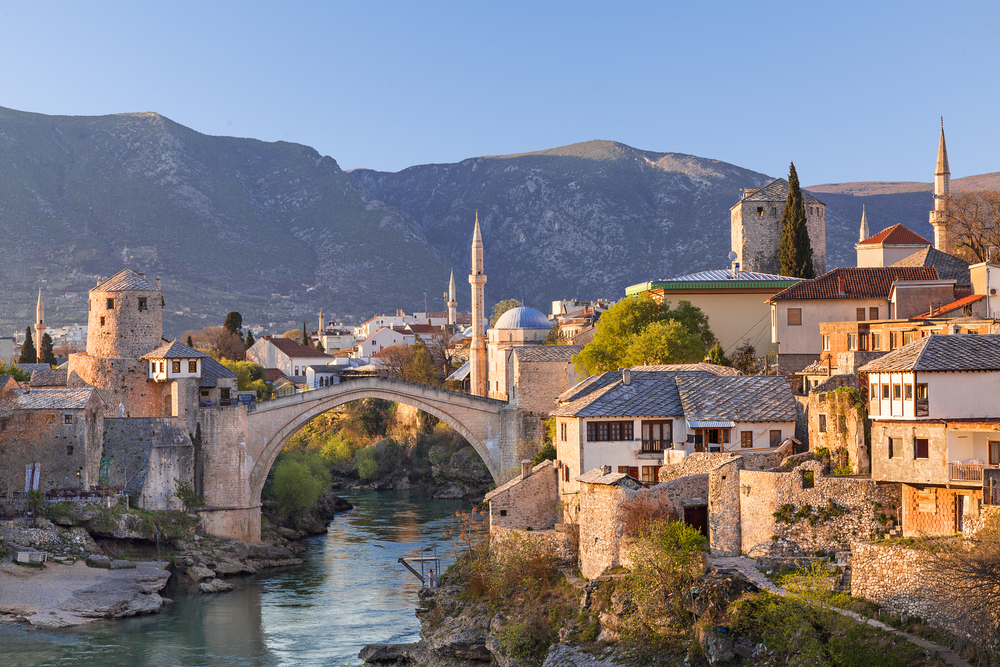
<point x="294" y="349"/>
<point x="948" y="266"/>
<point x="951" y="352"/>
<point x="954" y="305"/>
<point x="871" y="282"/>
<point x="272" y="375"/>
<point x="896" y="235"/>
<point x="424" y="329"/>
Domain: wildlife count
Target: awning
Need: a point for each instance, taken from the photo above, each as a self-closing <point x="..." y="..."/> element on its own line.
<point x="461" y="373"/>
<point x="710" y="424"/>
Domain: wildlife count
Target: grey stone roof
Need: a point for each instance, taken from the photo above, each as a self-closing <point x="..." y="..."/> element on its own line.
<point x="212" y="371"/>
<point x="514" y="482"/>
<point x="948" y="266"/>
<point x="648" y="394"/>
<point x="598" y="476"/>
<point x="546" y="352"/>
<point x="55" y="399"/>
<point x="740" y="398"/>
<point x="48" y="377"/>
<point x="597" y="381"/>
<point x="126" y="279"/>
<point x="31" y="368"/>
<point x="951" y="352"/>
<point x="776" y="190"/>
<point x="174" y="350"/>
<point x="687" y="368"/>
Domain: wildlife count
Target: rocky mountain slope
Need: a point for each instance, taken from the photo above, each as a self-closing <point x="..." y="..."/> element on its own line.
<point x="278" y="231"/>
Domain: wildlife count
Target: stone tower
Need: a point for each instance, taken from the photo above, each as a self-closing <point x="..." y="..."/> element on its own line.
<point x="864" y="225"/>
<point x="39" y="324"/>
<point x="942" y="190"/>
<point x="477" y="279"/>
<point x="452" y="303"/>
<point x="125" y="322"/>
<point x="755" y="227"/>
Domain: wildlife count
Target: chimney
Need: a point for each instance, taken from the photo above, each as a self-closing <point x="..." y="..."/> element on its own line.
<point x="606" y="470"/>
<point x="525" y="469"/>
<point x="841" y="286"/>
<point x="626" y="376"/>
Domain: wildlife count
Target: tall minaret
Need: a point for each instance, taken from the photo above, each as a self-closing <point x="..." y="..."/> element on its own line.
<point x="942" y="189"/>
<point x="452" y="303"/>
<point x="39" y="323"/>
<point x="477" y="353"/>
<point x="864" y="225"/>
<point x="322" y="325"/>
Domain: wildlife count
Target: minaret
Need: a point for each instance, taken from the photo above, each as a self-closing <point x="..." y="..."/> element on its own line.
<point x="477" y="353"/>
<point x="942" y="190"/>
<point x="864" y="225"/>
<point x="322" y="325"/>
<point x="452" y="303"/>
<point x="39" y="323"/>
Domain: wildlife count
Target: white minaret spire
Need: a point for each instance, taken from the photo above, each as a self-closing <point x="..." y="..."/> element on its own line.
<point x="452" y="302"/>
<point x="942" y="190"/>
<point x="477" y="279"/>
<point x="864" y="225"/>
<point x="39" y="324"/>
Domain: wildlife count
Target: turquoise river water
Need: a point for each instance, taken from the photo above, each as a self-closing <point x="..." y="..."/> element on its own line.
<point x="350" y="592"/>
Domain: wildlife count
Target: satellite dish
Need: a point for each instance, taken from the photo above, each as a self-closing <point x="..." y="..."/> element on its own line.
<point x="732" y="255"/>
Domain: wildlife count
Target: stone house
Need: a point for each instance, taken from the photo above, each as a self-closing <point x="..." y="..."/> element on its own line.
<point x="640" y="418"/>
<point x="601" y="535"/>
<point x="517" y="327"/>
<point x="190" y="379"/>
<point x="936" y="428"/>
<point x="527" y="502"/>
<point x="842" y="295"/>
<point x="288" y="356"/>
<point x="838" y="420"/>
<point x="730" y="300"/>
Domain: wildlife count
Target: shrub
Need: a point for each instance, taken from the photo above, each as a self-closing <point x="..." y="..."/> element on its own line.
<point x="367" y="463"/>
<point x="641" y="512"/>
<point x="546" y="453"/>
<point x="300" y="479"/>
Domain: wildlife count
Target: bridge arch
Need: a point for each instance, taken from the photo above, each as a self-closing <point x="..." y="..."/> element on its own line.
<point x="272" y="424"/>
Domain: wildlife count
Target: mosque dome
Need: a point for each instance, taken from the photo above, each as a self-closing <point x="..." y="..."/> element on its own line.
<point x="523" y="317"/>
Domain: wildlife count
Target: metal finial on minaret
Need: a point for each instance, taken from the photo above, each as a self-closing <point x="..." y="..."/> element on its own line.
<point x="864" y="225"/>
<point x="477" y="352"/>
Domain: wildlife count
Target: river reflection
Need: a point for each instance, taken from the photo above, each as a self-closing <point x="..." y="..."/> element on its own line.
<point x="350" y="592"/>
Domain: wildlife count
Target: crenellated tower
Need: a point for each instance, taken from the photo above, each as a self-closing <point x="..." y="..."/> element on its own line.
<point x="452" y="302"/>
<point x="477" y="279"/>
<point x="942" y="190"/>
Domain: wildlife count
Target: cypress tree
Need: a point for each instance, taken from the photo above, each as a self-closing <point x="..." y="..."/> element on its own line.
<point x="190" y="343"/>
<point x="28" y="353"/>
<point x="795" y="252"/>
<point x="45" y="352"/>
<point x="305" y="335"/>
<point x="249" y="340"/>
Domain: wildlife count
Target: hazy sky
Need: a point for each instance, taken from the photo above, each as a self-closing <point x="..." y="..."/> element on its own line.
<point x="848" y="90"/>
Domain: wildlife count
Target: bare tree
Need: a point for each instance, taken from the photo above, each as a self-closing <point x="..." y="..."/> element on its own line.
<point x="975" y="223"/>
<point x="394" y="362"/>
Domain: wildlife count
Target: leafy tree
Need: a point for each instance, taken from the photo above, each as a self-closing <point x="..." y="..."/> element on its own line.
<point x="293" y="334"/>
<point x="718" y="356"/>
<point x="249" y="377"/>
<point x="233" y="323"/>
<point x="503" y="307"/>
<point x="554" y="336"/>
<point x="630" y="317"/>
<point x="367" y="463"/>
<point x="745" y="359"/>
<point x="546" y="453"/>
<point x="190" y="343"/>
<point x="300" y="479"/>
<point x="14" y="370"/>
<point x="28" y="353"/>
<point x="45" y="353"/>
<point x="795" y="252"/>
<point x="667" y="342"/>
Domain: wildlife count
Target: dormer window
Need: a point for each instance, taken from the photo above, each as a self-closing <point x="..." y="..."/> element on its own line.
<point x="176" y="366"/>
<point x="142" y="304"/>
<point x="192" y="367"/>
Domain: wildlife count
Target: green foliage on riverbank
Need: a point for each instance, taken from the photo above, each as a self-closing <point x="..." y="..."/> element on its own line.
<point x="300" y="480"/>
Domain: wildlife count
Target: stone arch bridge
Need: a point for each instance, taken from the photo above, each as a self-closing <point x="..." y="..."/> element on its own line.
<point x="241" y="446"/>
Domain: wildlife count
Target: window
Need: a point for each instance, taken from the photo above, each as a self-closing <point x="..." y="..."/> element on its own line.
<point x="897" y="392"/>
<point x="826" y="342"/>
<point x="225" y="393"/>
<point x="163" y="367"/>
<point x="760" y="211"/>
<point x="775" y="438"/>
<point x="895" y="448"/>
<point x="503" y="512"/>
<point x="632" y="471"/>
<point x="794" y="317"/>
<point x="69" y="450"/>
<point x="565" y="473"/>
<point x="175" y="366"/>
<point x="774" y="211"/>
<point x="876" y="342"/>
<point x="102" y="320"/>
<point x="908" y="337"/>
<point x="994" y="447"/>
<point x="885" y="392"/>
<point x="657" y="435"/>
<point x="204" y="393"/>
<point x="649" y="474"/>
<point x="192" y="367"/>
<point x="920" y="448"/>
<point x="908" y="392"/>
<point x="873" y="313"/>
<point x="90" y="305"/>
<point x="921" y="392"/>
<point x="142" y="303"/>
<point x="860" y="314"/>
<point x="852" y="341"/>
<point x="609" y="431"/>
<point x="822" y="423"/>
<point x="111" y="304"/>
<point x="746" y="439"/>
<point x="67" y="419"/>
<point x="562" y="431"/>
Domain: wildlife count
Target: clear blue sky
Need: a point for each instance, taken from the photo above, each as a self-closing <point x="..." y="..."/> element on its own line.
<point x="848" y="90"/>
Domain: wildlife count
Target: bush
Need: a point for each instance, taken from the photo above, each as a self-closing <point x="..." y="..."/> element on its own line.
<point x="546" y="453"/>
<point x="367" y="463"/>
<point x="641" y="511"/>
<point x="300" y="479"/>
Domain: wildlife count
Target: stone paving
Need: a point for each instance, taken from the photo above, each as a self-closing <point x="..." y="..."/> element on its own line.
<point x="748" y="567"/>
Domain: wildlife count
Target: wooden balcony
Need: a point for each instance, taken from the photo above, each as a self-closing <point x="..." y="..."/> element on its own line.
<point x="651" y="446"/>
<point x="967" y="472"/>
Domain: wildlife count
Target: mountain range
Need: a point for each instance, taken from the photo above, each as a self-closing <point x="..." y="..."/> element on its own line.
<point x="278" y="231"/>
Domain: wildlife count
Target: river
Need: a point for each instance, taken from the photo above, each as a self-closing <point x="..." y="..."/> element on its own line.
<point x="350" y="592"/>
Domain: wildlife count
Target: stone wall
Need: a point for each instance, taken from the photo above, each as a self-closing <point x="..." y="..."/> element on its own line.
<point x="600" y="532"/>
<point x="559" y="543"/>
<point x="857" y="503"/>
<point x="529" y="502"/>
<point x="148" y="455"/>
<point x="124" y="331"/>
<point x="703" y="462"/>
<point x="119" y="382"/>
<point x="756" y="238"/>
<point x="724" y="534"/>
<point x="835" y="425"/>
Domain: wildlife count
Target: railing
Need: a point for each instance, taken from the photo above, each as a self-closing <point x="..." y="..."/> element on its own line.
<point x="966" y="472"/>
<point x="649" y="446"/>
<point x="991" y="495"/>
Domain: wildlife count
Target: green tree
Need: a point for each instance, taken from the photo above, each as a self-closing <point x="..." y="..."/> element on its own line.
<point x="300" y="479"/>
<point x="249" y="377"/>
<point x="28" y="353"/>
<point x="503" y="307"/>
<point x="421" y="367"/>
<point x="795" y="252"/>
<point x="233" y="323"/>
<point x="45" y="353"/>
<point x="319" y="346"/>
<point x="190" y="343"/>
<point x="305" y="335"/>
<point x="249" y="339"/>
<point x="667" y="342"/>
<point x="14" y="370"/>
<point x="718" y="356"/>
<point x="627" y="319"/>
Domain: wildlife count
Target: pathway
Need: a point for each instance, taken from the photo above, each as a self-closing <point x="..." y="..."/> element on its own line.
<point x="747" y="567"/>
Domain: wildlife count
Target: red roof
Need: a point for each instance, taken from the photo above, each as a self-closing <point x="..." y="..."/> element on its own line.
<point x="424" y="329"/>
<point x="872" y="282"/>
<point x="954" y="305"/>
<point x="896" y="235"/>
<point x="272" y="375"/>
<point x="294" y="349"/>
